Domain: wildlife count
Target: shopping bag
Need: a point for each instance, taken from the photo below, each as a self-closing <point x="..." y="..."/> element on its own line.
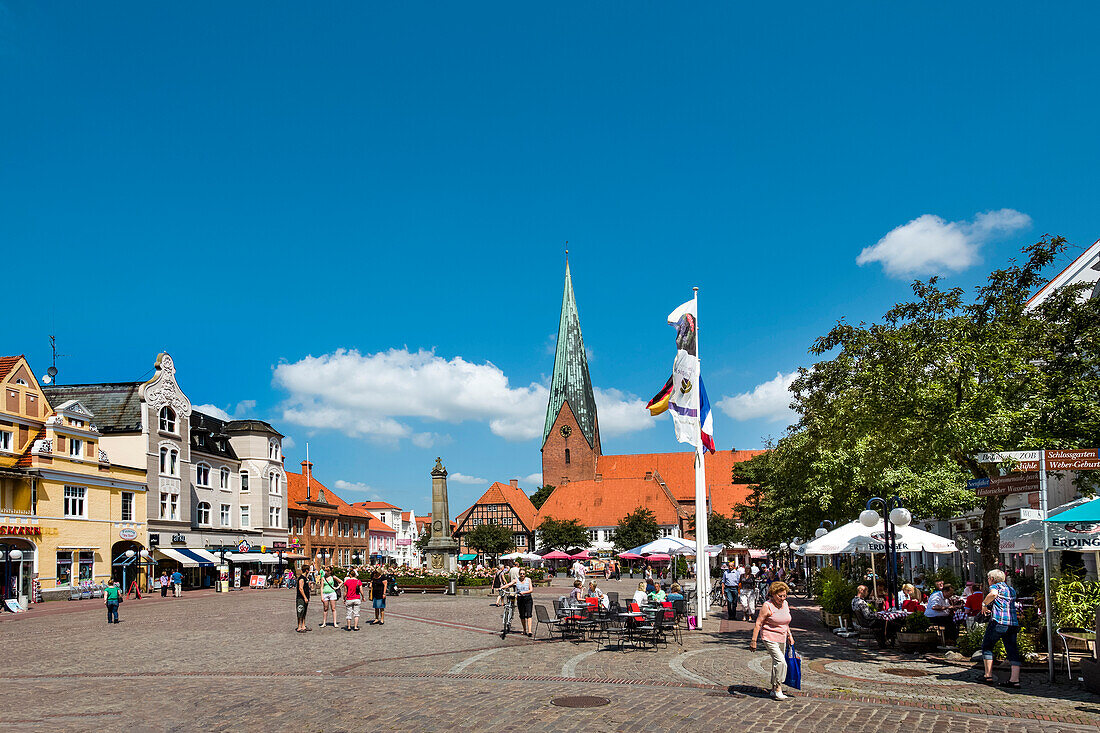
<point x="794" y="669"/>
<point x="693" y="623"/>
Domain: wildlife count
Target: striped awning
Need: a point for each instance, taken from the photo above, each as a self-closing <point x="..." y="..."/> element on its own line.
<point x="188" y="557"/>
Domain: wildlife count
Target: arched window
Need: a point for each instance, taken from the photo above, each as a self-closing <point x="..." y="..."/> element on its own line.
<point x="273" y="449"/>
<point x="163" y="459"/>
<point x="244" y="480"/>
<point x="167" y="419"/>
<point x="169" y="461"/>
<point x="202" y="474"/>
<point x="567" y="456"/>
<point x="203" y="513"/>
<point x="273" y="482"/>
<point x="223" y="479"/>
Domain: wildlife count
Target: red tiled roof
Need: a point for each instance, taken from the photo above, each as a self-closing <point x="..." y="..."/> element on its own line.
<point x="513" y="496"/>
<point x="296" y="494"/>
<point x="603" y="503"/>
<point x="368" y="505"/>
<point x="7" y="363"/>
<point x="27" y="459"/>
<point x="424" y="523"/>
<point x="678" y="471"/>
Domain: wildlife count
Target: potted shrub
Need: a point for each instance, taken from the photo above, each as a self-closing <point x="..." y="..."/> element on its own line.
<point x="915" y="634"/>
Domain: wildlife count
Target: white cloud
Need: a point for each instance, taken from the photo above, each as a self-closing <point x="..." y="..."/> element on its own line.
<point x="288" y="442"/>
<point x="374" y="394"/>
<point x="930" y="245"/>
<point x="464" y="479"/>
<point x="770" y="400"/>
<point x="366" y="492"/>
<point x="243" y="408"/>
<point x="534" y="480"/>
<point x="213" y="411"/>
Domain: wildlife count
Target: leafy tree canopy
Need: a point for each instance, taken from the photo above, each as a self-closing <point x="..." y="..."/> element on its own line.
<point x="539" y="497"/>
<point x="560" y="534"/>
<point x="491" y="538"/>
<point x="636" y="528"/>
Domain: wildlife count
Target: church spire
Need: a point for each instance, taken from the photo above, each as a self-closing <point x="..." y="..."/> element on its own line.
<point x="571" y="381"/>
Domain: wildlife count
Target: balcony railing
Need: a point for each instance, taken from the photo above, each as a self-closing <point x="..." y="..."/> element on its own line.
<point x="20" y="512"/>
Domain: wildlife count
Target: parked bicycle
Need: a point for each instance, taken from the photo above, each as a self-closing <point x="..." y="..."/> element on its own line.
<point x="509" y="613"/>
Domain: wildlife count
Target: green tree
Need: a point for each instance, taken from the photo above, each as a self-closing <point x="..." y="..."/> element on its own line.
<point x="422" y="541"/>
<point x="561" y="534"/>
<point x="904" y="405"/>
<point x="636" y="528"/>
<point x="491" y="538"/>
<point x="539" y="497"/>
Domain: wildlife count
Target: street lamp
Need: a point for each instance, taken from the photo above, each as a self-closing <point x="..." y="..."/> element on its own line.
<point x="896" y="516"/>
<point x="822" y="530"/>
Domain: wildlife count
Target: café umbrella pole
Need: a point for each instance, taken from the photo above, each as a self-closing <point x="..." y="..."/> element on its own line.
<point x="1043" y="507"/>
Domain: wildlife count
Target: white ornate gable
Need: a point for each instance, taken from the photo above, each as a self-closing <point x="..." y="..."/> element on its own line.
<point x="163" y="390"/>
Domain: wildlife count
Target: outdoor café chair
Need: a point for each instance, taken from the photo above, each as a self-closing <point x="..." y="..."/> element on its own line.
<point x="1065" y="633"/>
<point x="543" y="617"/>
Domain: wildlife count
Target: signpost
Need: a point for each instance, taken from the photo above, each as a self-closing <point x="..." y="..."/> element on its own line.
<point x="1077" y="459"/>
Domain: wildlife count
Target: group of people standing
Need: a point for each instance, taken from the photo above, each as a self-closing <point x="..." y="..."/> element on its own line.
<point x="331" y="587"/>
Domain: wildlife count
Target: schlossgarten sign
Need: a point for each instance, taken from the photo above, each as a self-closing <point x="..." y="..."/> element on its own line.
<point x="1081" y="459"/>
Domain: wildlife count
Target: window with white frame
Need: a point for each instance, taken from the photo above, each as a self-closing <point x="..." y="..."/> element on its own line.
<point x="593" y="535"/>
<point x="273" y="483"/>
<point x="164" y="505"/>
<point x="275" y="516"/>
<point x="202" y="474"/>
<point x="521" y="540"/>
<point x="245" y="518"/>
<point x="76" y="447"/>
<point x="225" y="515"/>
<point x="169" y="461"/>
<point x="174" y="506"/>
<point x="244" y="480"/>
<point x="74" y="501"/>
<point x="127" y="506"/>
<point x="273" y="449"/>
<point x="223" y="479"/>
<point x="167" y="419"/>
<point x="5" y="440"/>
<point x="202" y="513"/>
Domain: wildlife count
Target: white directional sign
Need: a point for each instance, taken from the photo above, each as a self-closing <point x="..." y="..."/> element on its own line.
<point x="1008" y="455"/>
<point x="1026" y="514"/>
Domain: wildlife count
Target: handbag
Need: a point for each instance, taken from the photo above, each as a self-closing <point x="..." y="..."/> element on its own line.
<point x="794" y="668"/>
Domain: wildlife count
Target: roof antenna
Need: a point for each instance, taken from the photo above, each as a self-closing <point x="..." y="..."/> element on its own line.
<point x="51" y="373"/>
<point x="567" y="251"/>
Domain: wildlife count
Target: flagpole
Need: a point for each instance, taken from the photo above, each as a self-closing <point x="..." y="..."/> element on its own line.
<point x="702" y="562"/>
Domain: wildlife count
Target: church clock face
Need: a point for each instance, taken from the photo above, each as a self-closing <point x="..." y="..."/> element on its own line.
<point x="566" y="431"/>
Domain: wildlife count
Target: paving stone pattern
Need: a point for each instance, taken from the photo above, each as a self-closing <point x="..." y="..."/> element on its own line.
<point x="233" y="662"/>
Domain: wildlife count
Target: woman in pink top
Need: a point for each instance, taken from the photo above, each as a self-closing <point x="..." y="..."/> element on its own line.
<point x="773" y="625"/>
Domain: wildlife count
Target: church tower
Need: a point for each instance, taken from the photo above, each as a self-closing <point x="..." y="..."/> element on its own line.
<point x="571" y="436"/>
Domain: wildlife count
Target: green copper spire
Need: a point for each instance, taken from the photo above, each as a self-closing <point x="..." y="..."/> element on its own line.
<point x="571" y="381"/>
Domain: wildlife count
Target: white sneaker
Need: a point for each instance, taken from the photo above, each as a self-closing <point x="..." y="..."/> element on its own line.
<point x="778" y="695"/>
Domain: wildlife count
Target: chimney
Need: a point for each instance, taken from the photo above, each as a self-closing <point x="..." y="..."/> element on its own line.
<point x="515" y="483"/>
<point x="649" y="475"/>
<point x="307" y="471"/>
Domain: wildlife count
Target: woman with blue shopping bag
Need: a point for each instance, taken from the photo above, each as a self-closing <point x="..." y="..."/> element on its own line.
<point x="773" y="627"/>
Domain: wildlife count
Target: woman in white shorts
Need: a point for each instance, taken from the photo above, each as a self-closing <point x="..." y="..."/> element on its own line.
<point x="328" y="597"/>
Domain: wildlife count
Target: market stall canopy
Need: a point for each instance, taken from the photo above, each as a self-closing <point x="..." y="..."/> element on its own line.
<point x="1085" y="512"/>
<point x="630" y="556"/>
<point x="666" y="546"/>
<point x="1066" y="533"/>
<point x="467" y="557"/>
<point x="855" y="538"/>
<point x="264" y="558"/>
<point x="658" y="557"/>
<point x="582" y="555"/>
<point x="557" y="555"/>
<point x="528" y="556"/>
<point x="757" y="554"/>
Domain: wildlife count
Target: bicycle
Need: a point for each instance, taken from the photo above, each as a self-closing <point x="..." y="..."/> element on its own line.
<point x="718" y="594"/>
<point x="509" y="614"/>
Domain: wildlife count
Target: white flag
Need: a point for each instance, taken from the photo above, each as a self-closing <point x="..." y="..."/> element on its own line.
<point x="684" y="401"/>
<point x="688" y="307"/>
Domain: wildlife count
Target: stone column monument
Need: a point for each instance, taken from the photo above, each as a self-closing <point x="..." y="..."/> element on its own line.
<point x="442" y="548"/>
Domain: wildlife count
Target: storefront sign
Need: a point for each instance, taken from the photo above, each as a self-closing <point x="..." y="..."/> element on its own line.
<point x="278" y="545"/>
<point x="236" y="577"/>
<point x="404" y="542"/>
<point x="179" y="539"/>
<point x="127" y="534"/>
<point x="20" y="529"/>
<point x="1082" y="459"/>
<point x="243" y="546"/>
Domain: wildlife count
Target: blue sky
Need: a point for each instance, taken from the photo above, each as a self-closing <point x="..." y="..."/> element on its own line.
<point x="349" y="219"/>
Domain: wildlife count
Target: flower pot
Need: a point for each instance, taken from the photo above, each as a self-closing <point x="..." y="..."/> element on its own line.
<point x="914" y="641"/>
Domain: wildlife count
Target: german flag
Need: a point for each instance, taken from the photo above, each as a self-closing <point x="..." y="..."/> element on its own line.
<point x="659" y="403"/>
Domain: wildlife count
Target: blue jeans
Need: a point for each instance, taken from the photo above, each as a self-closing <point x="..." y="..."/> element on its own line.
<point x="112" y="611"/>
<point x="993" y="632"/>
<point x="731" y="600"/>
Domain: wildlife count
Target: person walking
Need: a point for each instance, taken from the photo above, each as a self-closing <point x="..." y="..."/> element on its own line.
<point x="112" y="597"/>
<point x="378" y="597"/>
<point x="1004" y="625"/>
<point x="498" y="583"/>
<point x="177" y="584"/>
<point x="328" y="597"/>
<point x="731" y="579"/>
<point x="164" y="584"/>
<point x="746" y="591"/>
<point x="301" y="598"/>
<point x="353" y="599"/>
<point x="773" y="625"/>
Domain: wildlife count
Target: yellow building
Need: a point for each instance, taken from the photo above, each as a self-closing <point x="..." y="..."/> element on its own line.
<point x="70" y="515"/>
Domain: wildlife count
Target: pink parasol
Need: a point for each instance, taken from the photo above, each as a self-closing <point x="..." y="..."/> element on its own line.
<point x="557" y="555"/>
<point x="629" y="556"/>
<point x="582" y="555"/>
<point x="658" y="556"/>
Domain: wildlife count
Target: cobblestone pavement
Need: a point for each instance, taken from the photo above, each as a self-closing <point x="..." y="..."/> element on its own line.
<point x="233" y="662"/>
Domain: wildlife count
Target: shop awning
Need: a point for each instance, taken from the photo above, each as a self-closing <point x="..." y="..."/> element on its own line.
<point x="264" y="558"/>
<point x="467" y="557"/>
<point x="188" y="558"/>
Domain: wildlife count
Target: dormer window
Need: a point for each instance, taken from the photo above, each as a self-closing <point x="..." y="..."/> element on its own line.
<point x="21" y="382"/>
<point x="167" y="419"/>
<point x="200" y="439"/>
<point x="76" y="423"/>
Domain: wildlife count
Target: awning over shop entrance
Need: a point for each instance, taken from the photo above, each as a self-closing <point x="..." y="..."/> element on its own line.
<point x="467" y="557"/>
<point x="187" y="557"/>
<point x="264" y="558"/>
